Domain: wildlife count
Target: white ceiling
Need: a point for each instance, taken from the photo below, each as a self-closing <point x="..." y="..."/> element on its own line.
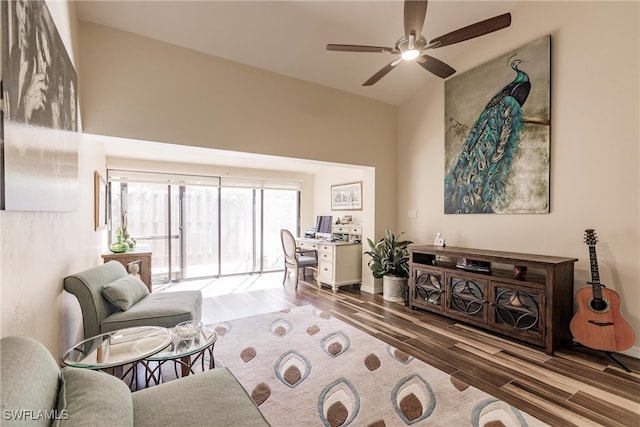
<point x="289" y="38"/>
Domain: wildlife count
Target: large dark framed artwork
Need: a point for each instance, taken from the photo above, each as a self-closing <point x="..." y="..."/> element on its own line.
<point x="497" y="134"/>
<point x="40" y="114"/>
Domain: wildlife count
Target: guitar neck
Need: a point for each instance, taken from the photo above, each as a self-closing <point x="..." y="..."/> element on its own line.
<point x="595" y="275"/>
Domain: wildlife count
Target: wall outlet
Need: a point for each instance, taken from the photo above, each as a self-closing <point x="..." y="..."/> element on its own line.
<point x="411" y="213"/>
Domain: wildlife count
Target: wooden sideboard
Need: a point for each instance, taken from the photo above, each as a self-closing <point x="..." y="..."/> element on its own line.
<point x="139" y="256"/>
<point x="536" y="309"/>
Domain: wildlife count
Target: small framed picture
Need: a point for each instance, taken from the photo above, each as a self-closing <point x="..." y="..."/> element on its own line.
<point x="100" y="201"/>
<point x="346" y="197"/>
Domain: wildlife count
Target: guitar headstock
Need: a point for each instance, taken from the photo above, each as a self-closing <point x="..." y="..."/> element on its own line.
<point x="590" y="237"/>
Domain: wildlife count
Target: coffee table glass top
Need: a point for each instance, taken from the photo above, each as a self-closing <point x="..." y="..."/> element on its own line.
<point x="118" y="348"/>
<point x="182" y="348"/>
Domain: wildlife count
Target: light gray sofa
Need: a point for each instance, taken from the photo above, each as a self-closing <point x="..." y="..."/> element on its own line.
<point x="35" y="392"/>
<point x="100" y="316"/>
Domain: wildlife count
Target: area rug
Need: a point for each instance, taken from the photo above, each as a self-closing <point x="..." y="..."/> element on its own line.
<point x="304" y="367"/>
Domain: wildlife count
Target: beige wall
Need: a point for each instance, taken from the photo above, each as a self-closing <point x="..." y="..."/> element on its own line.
<point x="594" y="147"/>
<point x="144" y="89"/>
<point x="40" y="248"/>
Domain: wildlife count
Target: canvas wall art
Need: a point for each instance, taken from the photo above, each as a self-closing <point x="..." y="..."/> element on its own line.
<point x="40" y="115"/>
<point x="497" y="134"/>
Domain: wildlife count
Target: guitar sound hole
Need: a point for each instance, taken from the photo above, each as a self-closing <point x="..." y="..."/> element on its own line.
<point x="598" y="304"/>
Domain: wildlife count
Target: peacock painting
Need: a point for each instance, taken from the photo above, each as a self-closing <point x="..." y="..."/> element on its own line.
<point x="497" y="152"/>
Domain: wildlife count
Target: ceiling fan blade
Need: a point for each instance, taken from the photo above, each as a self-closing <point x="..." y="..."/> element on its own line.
<point x="436" y="66"/>
<point x="471" y="31"/>
<point x="414" y="14"/>
<point x="380" y="74"/>
<point x="358" y="48"/>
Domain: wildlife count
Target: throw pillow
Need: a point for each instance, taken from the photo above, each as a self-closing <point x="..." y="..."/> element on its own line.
<point x="125" y="292"/>
<point x="92" y="398"/>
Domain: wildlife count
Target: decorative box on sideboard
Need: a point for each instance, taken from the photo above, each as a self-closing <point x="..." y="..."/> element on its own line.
<point x="535" y="307"/>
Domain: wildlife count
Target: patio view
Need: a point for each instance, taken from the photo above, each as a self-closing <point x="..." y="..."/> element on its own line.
<point x="200" y="227"/>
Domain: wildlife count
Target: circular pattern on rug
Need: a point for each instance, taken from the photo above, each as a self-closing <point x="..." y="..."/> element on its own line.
<point x="280" y="327"/>
<point x="413" y="399"/>
<point x="399" y="355"/>
<point x="372" y="362"/>
<point x="261" y="393"/>
<point x="248" y="354"/>
<point x="496" y="413"/>
<point x="338" y="404"/>
<point x="335" y="344"/>
<point x="292" y="368"/>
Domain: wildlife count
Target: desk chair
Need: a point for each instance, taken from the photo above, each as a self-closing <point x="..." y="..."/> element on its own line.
<point x="295" y="258"/>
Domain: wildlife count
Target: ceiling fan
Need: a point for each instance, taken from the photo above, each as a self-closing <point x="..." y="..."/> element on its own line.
<point x="413" y="46"/>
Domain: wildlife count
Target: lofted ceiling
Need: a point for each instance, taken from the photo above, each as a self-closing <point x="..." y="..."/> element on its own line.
<point x="290" y="37"/>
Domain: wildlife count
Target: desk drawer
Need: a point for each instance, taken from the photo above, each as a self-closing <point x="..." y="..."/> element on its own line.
<point x="327" y="256"/>
<point x="327" y="248"/>
<point x="308" y="245"/>
<point x="325" y="270"/>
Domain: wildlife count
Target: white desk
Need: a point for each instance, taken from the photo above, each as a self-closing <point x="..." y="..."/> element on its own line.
<point x="339" y="263"/>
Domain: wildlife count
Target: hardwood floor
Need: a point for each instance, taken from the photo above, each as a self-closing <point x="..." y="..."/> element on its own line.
<point x="575" y="387"/>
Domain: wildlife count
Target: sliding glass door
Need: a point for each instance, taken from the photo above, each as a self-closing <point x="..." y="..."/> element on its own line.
<point x="238" y="229"/>
<point x="200" y="231"/>
<point x="204" y="229"/>
<point x="280" y="211"/>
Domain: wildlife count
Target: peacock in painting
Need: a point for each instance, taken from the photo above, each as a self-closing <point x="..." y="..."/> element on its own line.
<point x="477" y="179"/>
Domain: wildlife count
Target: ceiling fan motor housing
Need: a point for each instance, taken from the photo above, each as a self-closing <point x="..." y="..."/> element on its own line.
<point x="419" y="44"/>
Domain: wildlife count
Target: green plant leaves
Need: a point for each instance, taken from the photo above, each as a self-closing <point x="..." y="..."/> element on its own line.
<point x="389" y="256"/>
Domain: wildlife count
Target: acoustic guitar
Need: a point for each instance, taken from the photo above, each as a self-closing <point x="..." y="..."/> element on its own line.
<point x="598" y="324"/>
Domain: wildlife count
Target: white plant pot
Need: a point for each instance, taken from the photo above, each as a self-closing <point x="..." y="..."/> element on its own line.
<point x="393" y="288"/>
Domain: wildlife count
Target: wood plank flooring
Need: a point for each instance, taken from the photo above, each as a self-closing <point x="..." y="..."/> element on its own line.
<point x="575" y="387"/>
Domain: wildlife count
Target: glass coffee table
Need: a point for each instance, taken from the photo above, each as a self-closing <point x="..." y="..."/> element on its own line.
<point x="186" y="353"/>
<point x="112" y="351"/>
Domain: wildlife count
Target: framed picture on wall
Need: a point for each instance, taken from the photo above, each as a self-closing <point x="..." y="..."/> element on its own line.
<point x="345" y="197"/>
<point x="497" y="134"/>
<point x="100" y="201"/>
<point x="40" y="112"/>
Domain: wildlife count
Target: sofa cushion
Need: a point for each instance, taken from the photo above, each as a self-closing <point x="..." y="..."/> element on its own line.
<point x="165" y="309"/>
<point x="30" y="379"/>
<point x="216" y="398"/>
<point x="125" y="291"/>
<point x="87" y="288"/>
<point x="93" y="398"/>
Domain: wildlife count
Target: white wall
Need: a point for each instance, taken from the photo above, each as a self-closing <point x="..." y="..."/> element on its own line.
<point x="594" y="147"/>
<point x="38" y="249"/>
<point x="329" y="176"/>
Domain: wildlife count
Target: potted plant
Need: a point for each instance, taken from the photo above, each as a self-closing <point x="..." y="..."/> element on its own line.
<point x="390" y="261"/>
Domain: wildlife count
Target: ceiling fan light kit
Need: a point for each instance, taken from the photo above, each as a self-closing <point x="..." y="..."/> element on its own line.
<point x="413" y="46"/>
<point x="410" y="48"/>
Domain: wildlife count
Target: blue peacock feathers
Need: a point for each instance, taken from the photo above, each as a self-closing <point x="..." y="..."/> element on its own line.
<point x="477" y="179"/>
